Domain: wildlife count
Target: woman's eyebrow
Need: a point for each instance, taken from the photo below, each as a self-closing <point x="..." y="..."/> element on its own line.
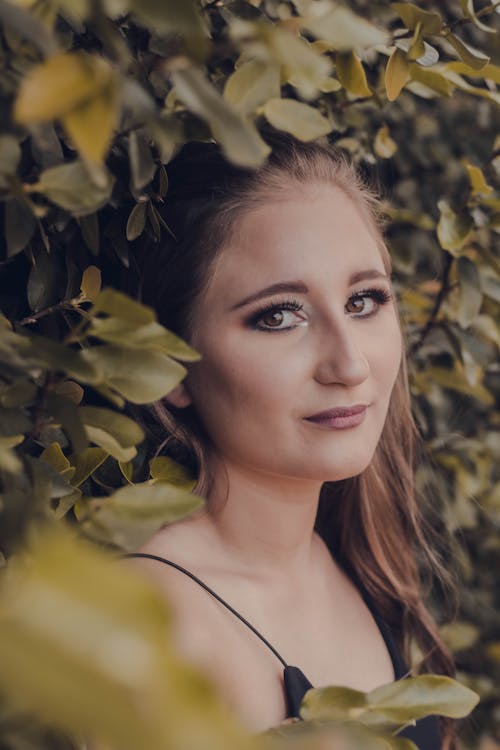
<point x="300" y="288"/>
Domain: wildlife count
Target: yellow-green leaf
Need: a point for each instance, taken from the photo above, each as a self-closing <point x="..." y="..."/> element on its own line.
<point x="238" y="137"/>
<point x="384" y="145"/>
<point x="91" y="282"/>
<point x="303" y="121"/>
<point x="71" y="186"/>
<point x="165" y="469"/>
<point x="397" y="73"/>
<point x="473" y="57"/>
<point x="119" y="305"/>
<point x="86" y="647"/>
<point x="61" y="84"/>
<point x="477" y="180"/>
<point x="54" y="456"/>
<point x="416" y="697"/>
<point x="252" y="84"/>
<point x="86" y="462"/>
<point x="91" y="125"/>
<point x="471" y="296"/>
<point x="132" y="514"/>
<point x="351" y="74"/>
<point x="435" y="80"/>
<point x="488" y="72"/>
<point x="140" y="376"/>
<point x="469" y="12"/>
<point x="343" y="29"/>
<point x="453" y="230"/>
<point x="459" y="635"/>
<point x="150" y="336"/>
<point x="411" y="15"/>
<point x="126" y="431"/>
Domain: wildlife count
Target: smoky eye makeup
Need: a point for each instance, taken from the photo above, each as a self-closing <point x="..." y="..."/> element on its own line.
<point x="380" y="296"/>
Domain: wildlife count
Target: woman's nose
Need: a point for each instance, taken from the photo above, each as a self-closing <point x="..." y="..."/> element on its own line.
<point x="341" y="359"/>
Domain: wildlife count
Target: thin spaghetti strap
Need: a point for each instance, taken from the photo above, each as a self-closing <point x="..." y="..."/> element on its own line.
<point x="210" y="591"/>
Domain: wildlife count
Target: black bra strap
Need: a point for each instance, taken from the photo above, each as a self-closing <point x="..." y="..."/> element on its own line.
<point x="216" y="596"/>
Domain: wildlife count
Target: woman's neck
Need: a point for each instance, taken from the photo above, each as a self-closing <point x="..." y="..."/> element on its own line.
<point x="264" y="523"/>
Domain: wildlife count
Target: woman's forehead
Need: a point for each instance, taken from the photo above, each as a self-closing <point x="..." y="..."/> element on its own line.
<point x="322" y="230"/>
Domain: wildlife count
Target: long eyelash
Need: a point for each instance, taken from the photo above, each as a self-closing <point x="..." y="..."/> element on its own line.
<point x="381" y="296"/>
<point x="286" y="304"/>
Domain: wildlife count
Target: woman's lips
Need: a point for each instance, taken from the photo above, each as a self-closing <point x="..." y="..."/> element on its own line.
<point x="340" y="418"/>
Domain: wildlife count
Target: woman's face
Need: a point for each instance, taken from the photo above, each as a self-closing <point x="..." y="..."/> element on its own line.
<point x="328" y="338"/>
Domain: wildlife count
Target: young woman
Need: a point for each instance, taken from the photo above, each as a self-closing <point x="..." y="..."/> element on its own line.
<point x="297" y="423"/>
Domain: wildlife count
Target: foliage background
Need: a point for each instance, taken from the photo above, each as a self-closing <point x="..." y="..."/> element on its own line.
<point x="95" y="97"/>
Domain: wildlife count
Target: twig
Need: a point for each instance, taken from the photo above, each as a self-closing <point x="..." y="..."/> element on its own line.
<point x="437" y="305"/>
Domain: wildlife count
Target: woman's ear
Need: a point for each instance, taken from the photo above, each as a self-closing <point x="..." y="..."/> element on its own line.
<point x="179" y="397"/>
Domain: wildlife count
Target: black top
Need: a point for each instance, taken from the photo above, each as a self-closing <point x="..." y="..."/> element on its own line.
<point x="425" y="733"/>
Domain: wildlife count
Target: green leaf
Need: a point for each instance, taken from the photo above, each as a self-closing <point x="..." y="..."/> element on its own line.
<point x="79" y="88"/>
<point x="119" y="305"/>
<point x="18" y="393"/>
<point x="19" y="225"/>
<point x="89" y="227"/>
<point x="109" y="444"/>
<point x="43" y="282"/>
<point x="152" y="336"/>
<point x="301" y="64"/>
<point x="165" y="469"/>
<point x="453" y="379"/>
<point x="71" y="187"/>
<point x="142" y="164"/>
<point x="415" y="697"/>
<point x="351" y="74"/>
<point x="54" y="456"/>
<point x="343" y="29"/>
<point x="85" y="463"/>
<point x="453" y="230"/>
<point x="172" y="17"/>
<point x="412" y="15"/>
<point x="140" y="376"/>
<point x="10" y="155"/>
<point x="85" y="647"/>
<point x="67" y="414"/>
<point x="304" y="122"/>
<point x="252" y="84"/>
<point x="397" y="73"/>
<point x="459" y="635"/>
<point x="330" y="703"/>
<point x="471" y="296"/>
<point x="136" y="221"/>
<point x="124" y="429"/>
<point x="9" y="462"/>
<point x="60" y="358"/>
<point x="132" y="514"/>
<point x="127" y="470"/>
<point x="237" y="136"/>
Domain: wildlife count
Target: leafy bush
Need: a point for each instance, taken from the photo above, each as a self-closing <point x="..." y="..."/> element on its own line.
<point x="96" y="96"/>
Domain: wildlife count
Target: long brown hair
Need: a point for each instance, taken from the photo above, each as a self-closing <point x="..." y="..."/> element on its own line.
<point x="374" y="522"/>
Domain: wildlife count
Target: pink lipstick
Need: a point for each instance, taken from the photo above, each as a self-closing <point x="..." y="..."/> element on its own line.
<point x="341" y="417"/>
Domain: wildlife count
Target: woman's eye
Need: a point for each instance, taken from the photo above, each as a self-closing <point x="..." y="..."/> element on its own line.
<point x="279" y="317"/>
<point x="376" y="297"/>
